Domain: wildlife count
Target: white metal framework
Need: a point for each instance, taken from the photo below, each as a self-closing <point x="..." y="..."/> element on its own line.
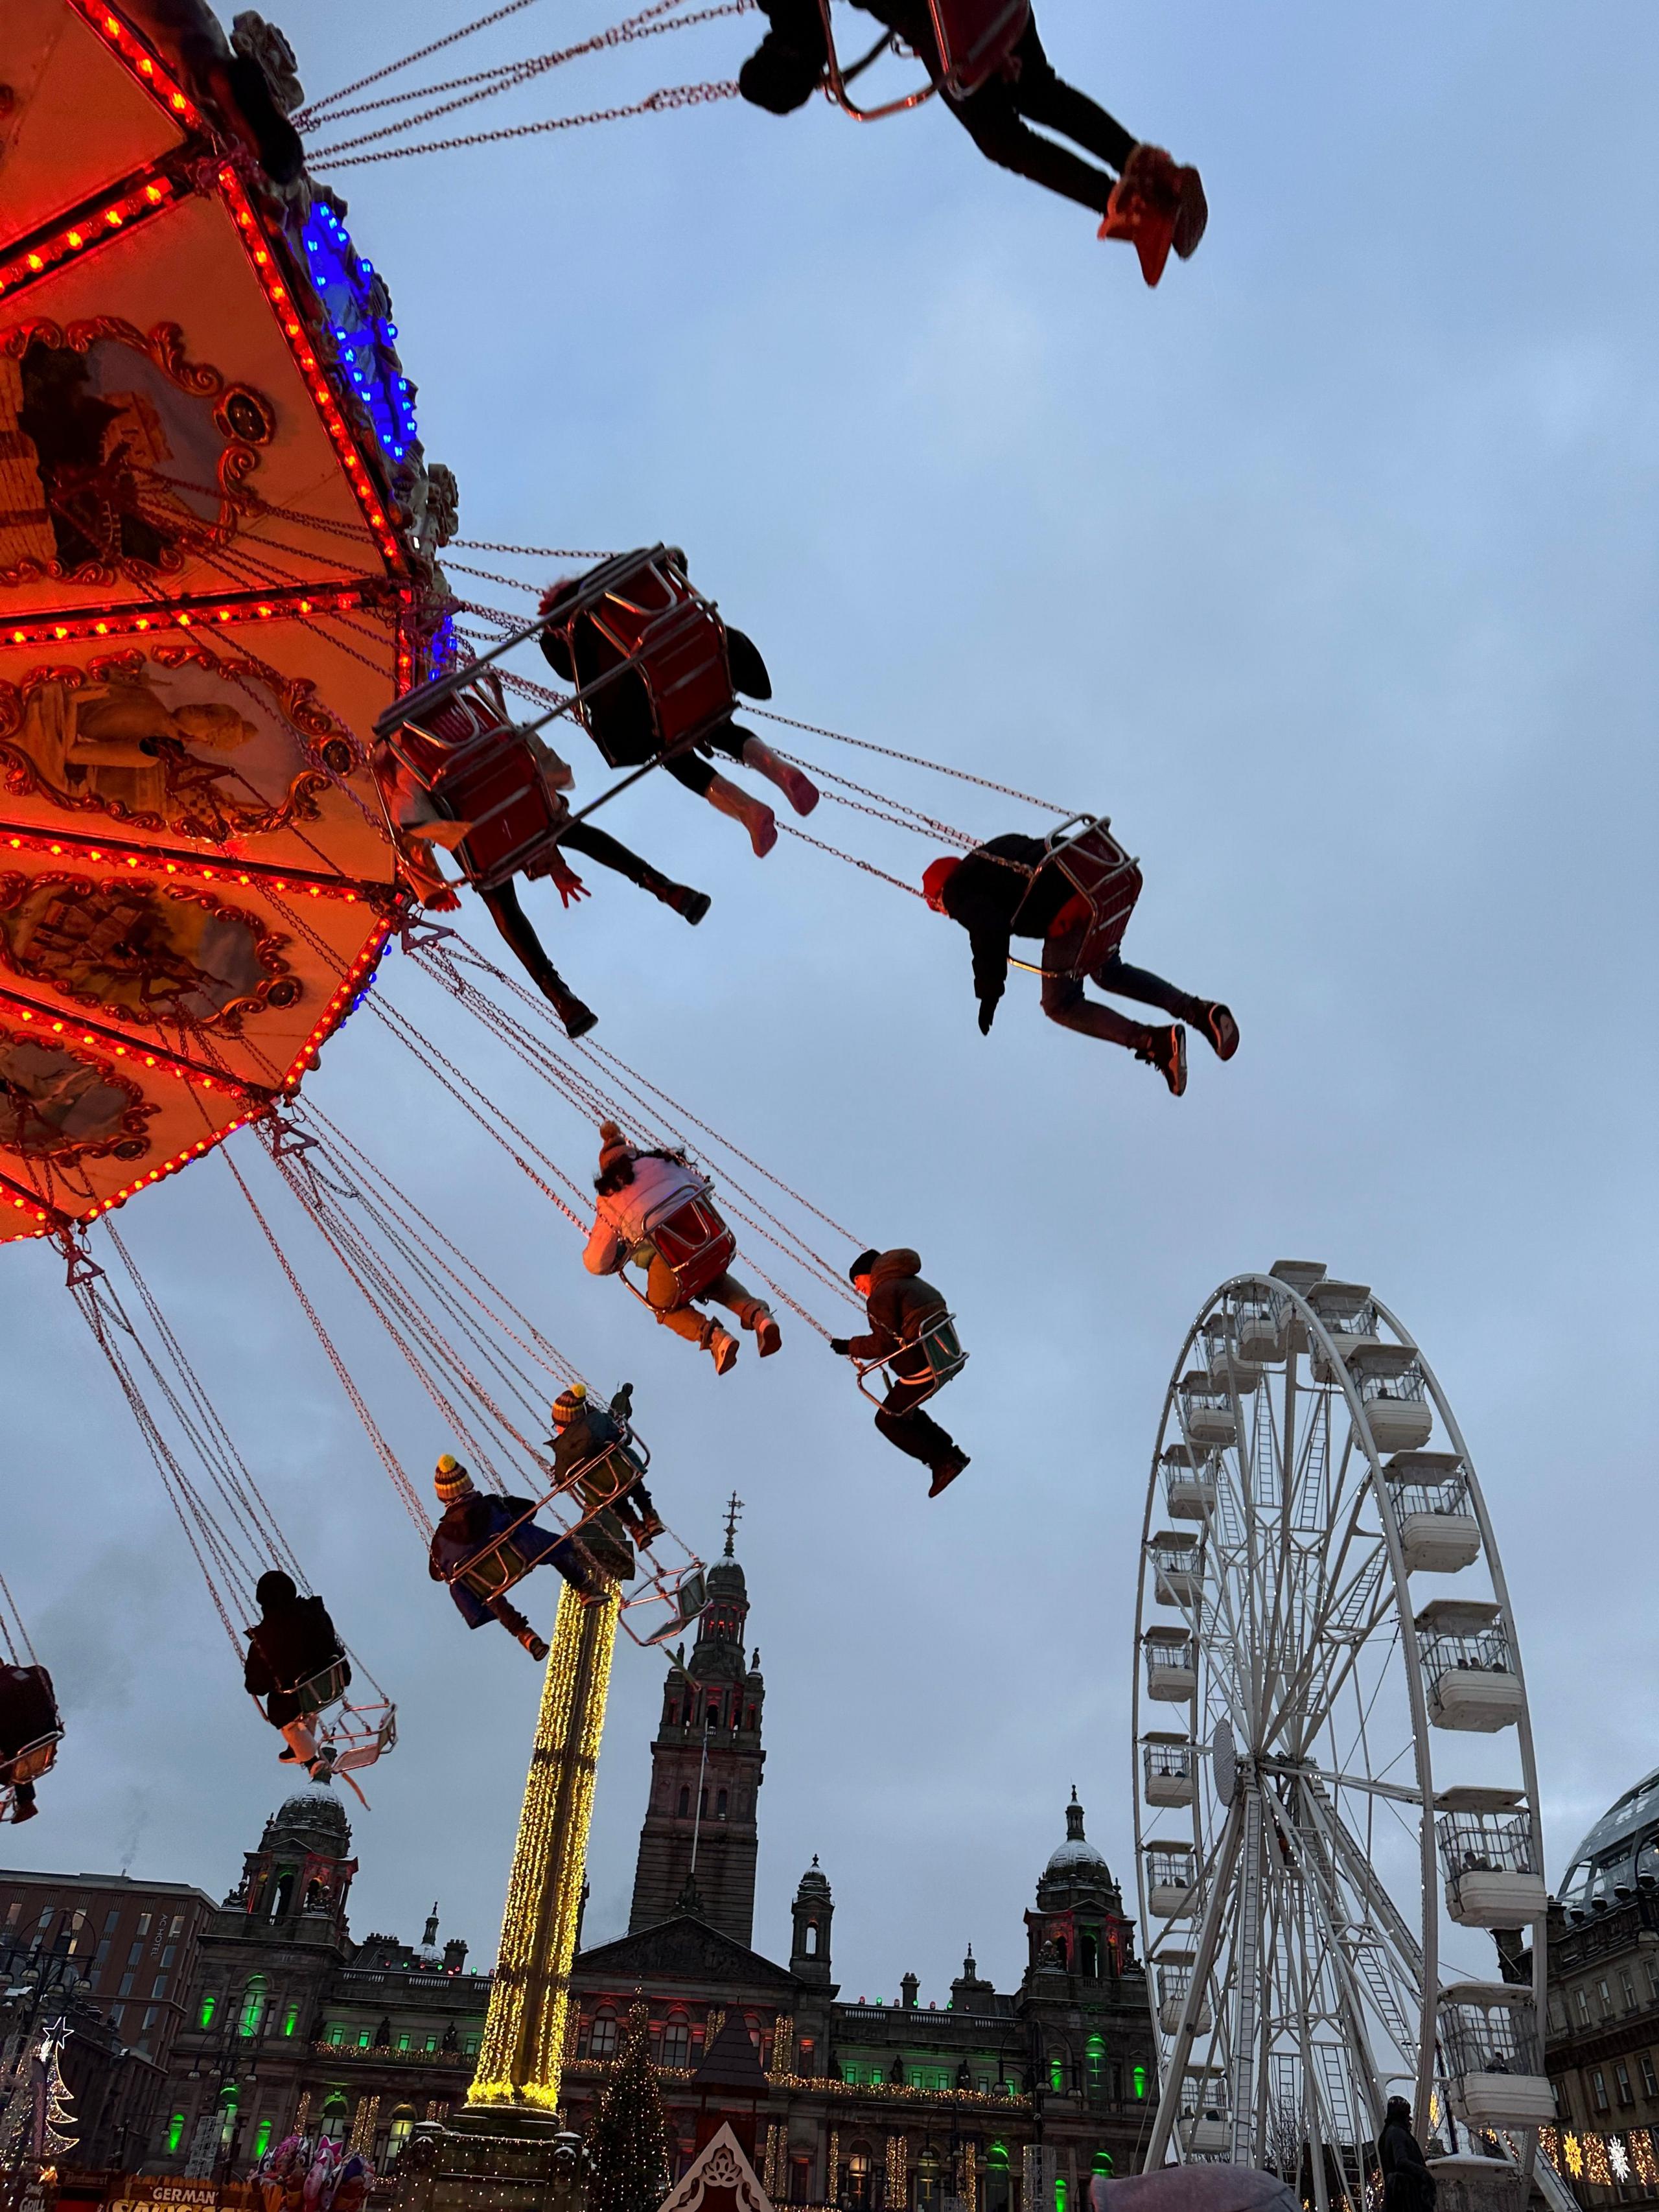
<point x="1319" y="1739"/>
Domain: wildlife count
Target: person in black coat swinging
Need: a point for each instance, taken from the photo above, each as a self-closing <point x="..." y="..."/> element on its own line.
<point x="292" y="1642"/>
<point x="899" y="1306"/>
<point x="1013" y="887"/>
<point x="1139" y="192"/>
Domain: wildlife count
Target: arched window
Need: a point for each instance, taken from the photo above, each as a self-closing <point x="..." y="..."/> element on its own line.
<point x="1140" y="2079"/>
<point x="602" y="2038"/>
<point x="282" y="1896"/>
<point x="1060" y="2192"/>
<point x="1056" y="2071"/>
<point x="175" y="2134"/>
<point x="811" y="1939"/>
<point x="996" y="2190"/>
<point x="713" y="1713"/>
<point x="262" y="2138"/>
<point x="403" y="2126"/>
<point x="1089" y="1955"/>
<point x="228" y="2097"/>
<point x="685" y="1801"/>
<point x="253" y="2017"/>
<point x="1095" y="2060"/>
<point x="1103" y="2161"/>
<point x="334" y="2117"/>
<point x="677" y="2041"/>
<point x="858" y="2177"/>
<point x="719" y="1806"/>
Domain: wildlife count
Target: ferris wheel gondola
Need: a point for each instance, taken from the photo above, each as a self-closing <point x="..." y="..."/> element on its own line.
<point x="1353" y="1793"/>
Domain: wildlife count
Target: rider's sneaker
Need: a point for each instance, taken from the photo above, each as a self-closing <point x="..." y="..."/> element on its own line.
<point x="723" y="1346"/>
<point x="684" y="900"/>
<point x="537" y="1646"/>
<point x="1143" y="209"/>
<point x="1192" y="214"/>
<point x="946" y="1470"/>
<point x="768" y="1335"/>
<point x="1220" y="1028"/>
<point x="1166" y="1050"/>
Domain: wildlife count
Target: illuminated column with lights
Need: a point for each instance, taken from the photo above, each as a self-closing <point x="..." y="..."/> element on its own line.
<point x="522" y="2055"/>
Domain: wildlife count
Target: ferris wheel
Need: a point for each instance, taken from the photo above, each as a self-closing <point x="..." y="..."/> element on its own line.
<point x="1334" y="1784"/>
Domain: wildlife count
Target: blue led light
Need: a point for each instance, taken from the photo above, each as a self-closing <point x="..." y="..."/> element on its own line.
<point x="347" y="288"/>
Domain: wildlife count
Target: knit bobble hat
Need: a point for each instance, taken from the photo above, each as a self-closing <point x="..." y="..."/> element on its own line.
<point x="862" y="1265"/>
<point x="452" y="1480"/>
<point x="935" y="877"/>
<point x="613" y="1146"/>
<point x="569" y="1403"/>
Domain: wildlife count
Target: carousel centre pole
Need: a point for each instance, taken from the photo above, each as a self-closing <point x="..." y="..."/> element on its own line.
<point x="521" y="2058"/>
<point x="504" y="2150"/>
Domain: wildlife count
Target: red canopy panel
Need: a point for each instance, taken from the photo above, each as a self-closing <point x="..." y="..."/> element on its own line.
<point x="211" y="585"/>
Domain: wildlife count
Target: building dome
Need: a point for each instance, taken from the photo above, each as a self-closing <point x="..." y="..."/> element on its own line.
<point x="1077" y="1854"/>
<point x="814" y="1883"/>
<point x="317" y="1814"/>
<point x="1621" y="1851"/>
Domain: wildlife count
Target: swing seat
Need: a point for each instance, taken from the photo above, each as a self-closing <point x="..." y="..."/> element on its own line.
<point x="494" y="1568"/>
<point x="692" y="1242"/>
<point x="975" y="38"/>
<point x="943" y="1359"/>
<point x="31" y="1762"/>
<point x="641" y="611"/>
<point x="1106" y="883"/>
<point x="316" y="1693"/>
<point x="477" y="767"/>
<point x="611" y="1473"/>
<point x="681" y="1594"/>
<point x="367" y="1733"/>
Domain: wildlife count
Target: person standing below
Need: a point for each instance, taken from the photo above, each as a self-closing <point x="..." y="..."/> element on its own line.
<point x="900" y="1306"/>
<point x="1407" y="2185"/>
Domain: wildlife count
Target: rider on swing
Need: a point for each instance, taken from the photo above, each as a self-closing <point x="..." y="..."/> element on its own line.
<point x="470" y="1520"/>
<point x="620" y="719"/>
<point x="28" y="1712"/>
<point x="899" y="1306"/>
<point x="581" y="1432"/>
<point x="421" y="827"/>
<point x="635" y="1190"/>
<point x="1014" y="887"/>
<point x="1141" y="194"/>
<point x="290" y="1644"/>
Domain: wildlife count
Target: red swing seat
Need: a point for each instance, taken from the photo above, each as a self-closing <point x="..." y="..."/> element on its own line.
<point x="975" y="38"/>
<point x="476" y="765"/>
<point x="30" y="1711"/>
<point x="641" y="610"/>
<point x="693" y="1244"/>
<point x="1106" y="883"/>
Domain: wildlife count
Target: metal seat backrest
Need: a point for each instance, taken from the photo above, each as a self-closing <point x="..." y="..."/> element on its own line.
<point x="493" y="1569"/>
<point x="975" y="38"/>
<point x="324" y="1688"/>
<point x="694" y="1242"/>
<point x="608" y="1475"/>
<point x="651" y="615"/>
<point x="942" y="1349"/>
<point x="1108" y="880"/>
<point x="31" y="1762"/>
<point x="478" y="767"/>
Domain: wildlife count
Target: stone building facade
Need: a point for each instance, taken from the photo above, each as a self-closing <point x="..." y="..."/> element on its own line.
<point x="1601" y="2046"/>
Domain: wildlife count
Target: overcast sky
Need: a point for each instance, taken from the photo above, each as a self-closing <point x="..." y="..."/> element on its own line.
<point x="1327" y="569"/>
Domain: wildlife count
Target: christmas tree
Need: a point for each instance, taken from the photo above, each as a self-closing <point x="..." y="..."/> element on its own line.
<point x="627" y="2139"/>
<point x="57" y="2127"/>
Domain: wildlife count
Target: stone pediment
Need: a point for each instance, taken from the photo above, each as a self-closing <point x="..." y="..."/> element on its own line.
<point x="683" y="1949"/>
